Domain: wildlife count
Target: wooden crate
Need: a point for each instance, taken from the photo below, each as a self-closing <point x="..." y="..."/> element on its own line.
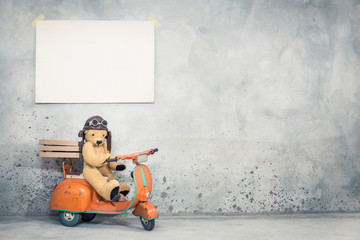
<point x="60" y="149"/>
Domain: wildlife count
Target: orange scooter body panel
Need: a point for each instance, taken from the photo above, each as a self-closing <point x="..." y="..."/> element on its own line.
<point x="99" y="205"/>
<point x="72" y="195"/>
<point x="143" y="179"/>
<point x="143" y="182"/>
<point x="77" y="195"/>
<point x="146" y="210"/>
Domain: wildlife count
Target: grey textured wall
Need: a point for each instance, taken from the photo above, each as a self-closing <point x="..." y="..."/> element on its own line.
<point x="257" y="106"/>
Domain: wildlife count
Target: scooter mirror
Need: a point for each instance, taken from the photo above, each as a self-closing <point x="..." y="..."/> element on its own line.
<point x="141" y="158"/>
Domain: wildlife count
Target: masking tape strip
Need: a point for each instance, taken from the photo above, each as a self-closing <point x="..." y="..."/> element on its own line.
<point x="37" y="20"/>
<point x="154" y="20"/>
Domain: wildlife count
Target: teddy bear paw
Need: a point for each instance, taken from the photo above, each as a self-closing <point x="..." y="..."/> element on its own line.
<point x="120" y="167"/>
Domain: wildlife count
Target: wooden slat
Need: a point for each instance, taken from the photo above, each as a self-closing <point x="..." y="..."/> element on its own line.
<point x="60" y="148"/>
<point x="80" y="176"/>
<point x="58" y="142"/>
<point x="60" y="154"/>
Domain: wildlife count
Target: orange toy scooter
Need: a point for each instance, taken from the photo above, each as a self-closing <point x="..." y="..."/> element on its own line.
<point x="76" y="199"/>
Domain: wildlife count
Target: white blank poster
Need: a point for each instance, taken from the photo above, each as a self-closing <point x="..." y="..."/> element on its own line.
<point x="95" y="62"/>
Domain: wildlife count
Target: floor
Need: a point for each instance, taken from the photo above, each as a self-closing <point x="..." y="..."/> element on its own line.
<point x="308" y="226"/>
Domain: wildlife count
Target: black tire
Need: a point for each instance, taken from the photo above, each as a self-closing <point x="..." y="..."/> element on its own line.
<point x="147" y="224"/>
<point x="87" y="217"/>
<point x="69" y="219"/>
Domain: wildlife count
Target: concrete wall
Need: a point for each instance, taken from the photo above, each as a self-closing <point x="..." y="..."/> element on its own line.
<point x="256" y="110"/>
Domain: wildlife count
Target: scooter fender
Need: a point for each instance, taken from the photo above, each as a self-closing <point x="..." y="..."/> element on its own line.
<point x="145" y="210"/>
<point x="71" y="195"/>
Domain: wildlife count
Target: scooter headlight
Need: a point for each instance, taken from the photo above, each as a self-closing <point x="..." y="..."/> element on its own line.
<point x="148" y="195"/>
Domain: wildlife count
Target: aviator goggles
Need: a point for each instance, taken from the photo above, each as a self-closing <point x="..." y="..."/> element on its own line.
<point x="95" y="123"/>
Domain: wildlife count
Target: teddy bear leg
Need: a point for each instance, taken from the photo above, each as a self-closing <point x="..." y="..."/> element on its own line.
<point x="107" y="172"/>
<point x="111" y="190"/>
<point x="124" y="189"/>
<point x="104" y="188"/>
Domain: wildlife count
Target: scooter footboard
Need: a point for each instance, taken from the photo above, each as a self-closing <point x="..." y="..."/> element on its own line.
<point x="145" y="210"/>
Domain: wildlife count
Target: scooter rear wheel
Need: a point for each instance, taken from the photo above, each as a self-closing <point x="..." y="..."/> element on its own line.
<point x="147" y="224"/>
<point x="69" y="219"/>
<point x="87" y="217"/>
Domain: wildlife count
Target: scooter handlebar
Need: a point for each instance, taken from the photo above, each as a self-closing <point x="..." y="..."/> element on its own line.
<point x="111" y="160"/>
<point x="152" y="151"/>
<point x="131" y="156"/>
<point x="134" y="155"/>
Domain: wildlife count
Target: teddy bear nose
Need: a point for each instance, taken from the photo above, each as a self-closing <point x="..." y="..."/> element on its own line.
<point x="98" y="142"/>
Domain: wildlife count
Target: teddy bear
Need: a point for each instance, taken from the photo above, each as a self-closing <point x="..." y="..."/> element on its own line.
<point x="96" y="149"/>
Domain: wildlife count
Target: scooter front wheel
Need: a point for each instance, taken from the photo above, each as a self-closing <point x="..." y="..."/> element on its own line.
<point x="69" y="219"/>
<point x="147" y="224"/>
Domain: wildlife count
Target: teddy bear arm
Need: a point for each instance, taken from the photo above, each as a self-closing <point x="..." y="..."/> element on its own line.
<point x="117" y="167"/>
<point x="106" y="149"/>
<point x="113" y="165"/>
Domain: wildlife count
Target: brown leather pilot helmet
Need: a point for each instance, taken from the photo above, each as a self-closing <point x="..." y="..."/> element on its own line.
<point x="96" y="123"/>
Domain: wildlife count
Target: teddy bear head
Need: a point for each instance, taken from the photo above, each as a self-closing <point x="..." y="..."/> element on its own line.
<point x="95" y="131"/>
<point x="95" y="137"/>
